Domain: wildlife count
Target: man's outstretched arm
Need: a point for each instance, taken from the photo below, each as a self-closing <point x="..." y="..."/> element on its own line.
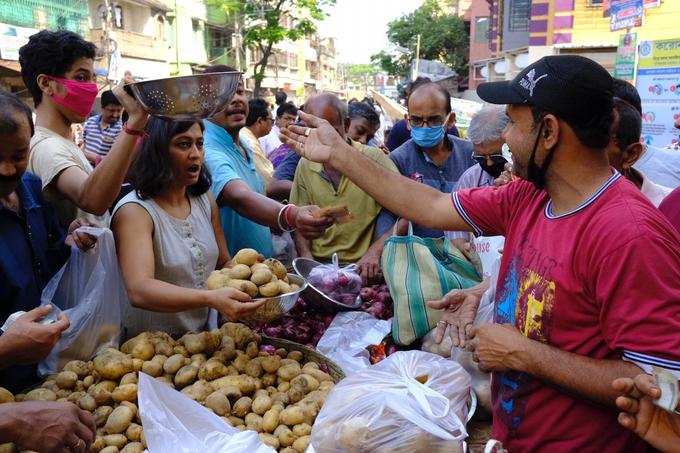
<point x="404" y="197"/>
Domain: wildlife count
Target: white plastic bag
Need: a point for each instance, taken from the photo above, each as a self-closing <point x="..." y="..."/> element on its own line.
<point x="488" y="248"/>
<point x="347" y="336"/>
<point x="174" y="422"/>
<point x="90" y="292"/>
<point x="383" y="408"/>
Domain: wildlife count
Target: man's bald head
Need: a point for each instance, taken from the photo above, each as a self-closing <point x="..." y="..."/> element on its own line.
<point x="329" y="107"/>
<point x="431" y="93"/>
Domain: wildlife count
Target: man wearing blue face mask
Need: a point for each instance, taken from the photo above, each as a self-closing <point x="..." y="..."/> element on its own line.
<point x="432" y="156"/>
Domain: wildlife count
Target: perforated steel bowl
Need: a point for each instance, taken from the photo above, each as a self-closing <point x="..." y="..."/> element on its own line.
<point x="275" y="307"/>
<point x="193" y="97"/>
<point x="313" y="295"/>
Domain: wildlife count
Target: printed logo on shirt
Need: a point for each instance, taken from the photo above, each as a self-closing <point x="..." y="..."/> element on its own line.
<point x="536" y="297"/>
<point x="526" y="301"/>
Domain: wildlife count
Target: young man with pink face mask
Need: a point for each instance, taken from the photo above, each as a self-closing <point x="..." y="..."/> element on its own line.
<point x="58" y="69"/>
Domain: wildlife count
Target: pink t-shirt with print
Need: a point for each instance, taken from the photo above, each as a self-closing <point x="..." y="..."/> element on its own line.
<point x="602" y="281"/>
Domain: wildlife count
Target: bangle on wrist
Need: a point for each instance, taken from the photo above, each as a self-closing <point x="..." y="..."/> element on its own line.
<point x="281" y="219"/>
<point x="290" y="216"/>
<point x="139" y="133"/>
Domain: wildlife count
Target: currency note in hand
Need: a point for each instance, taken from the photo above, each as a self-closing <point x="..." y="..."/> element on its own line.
<point x="669" y="389"/>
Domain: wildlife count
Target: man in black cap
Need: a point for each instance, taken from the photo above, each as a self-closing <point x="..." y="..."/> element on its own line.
<point x="590" y="279"/>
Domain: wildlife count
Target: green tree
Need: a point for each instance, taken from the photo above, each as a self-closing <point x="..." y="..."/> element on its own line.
<point x="443" y="38"/>
<point x="359" y="74"/>
<point x="262" y="24"/>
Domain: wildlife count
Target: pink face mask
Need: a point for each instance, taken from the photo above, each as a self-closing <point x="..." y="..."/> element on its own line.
<point x="79" y="97"/>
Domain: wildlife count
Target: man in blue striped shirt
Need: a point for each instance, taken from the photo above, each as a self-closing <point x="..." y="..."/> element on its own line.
<point x="100" y="131"/>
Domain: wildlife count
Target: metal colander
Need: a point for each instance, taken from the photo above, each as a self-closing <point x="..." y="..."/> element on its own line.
<point x="193" y="97"/>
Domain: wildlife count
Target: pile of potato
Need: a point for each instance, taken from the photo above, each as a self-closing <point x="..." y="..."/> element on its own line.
<point x="249" y="272"/>
<point x="275" y="394"/>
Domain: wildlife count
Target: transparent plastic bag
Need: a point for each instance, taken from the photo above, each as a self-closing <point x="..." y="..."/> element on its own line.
<point x="284" y="248"/>
<point x="383" y="408"/>
<point x="89" y="291"/>
<point x="341" y="284"/>
<point x="174" y="422"/>
<point x="481" y="380"/>
<point x="347" y="336"/>
<point x="484" y="315"/>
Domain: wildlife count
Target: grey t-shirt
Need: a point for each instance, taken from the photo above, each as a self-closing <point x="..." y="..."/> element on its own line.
<point x="414" y="163"/>
<point x="661" y="166"/>
<point x="185" y="253"/>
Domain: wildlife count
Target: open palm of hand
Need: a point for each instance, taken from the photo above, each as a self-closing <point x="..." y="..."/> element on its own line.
<point x="460" y="309"/>
<point x="316" y="141"/>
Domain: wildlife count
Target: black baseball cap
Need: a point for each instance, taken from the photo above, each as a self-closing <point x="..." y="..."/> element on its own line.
<point x="573" y="87"/>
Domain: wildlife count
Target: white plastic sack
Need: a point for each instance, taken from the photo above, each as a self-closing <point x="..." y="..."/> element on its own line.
<point x="488" y="250"/>
<point x="347" y="336"/>
<point x="383" y="408"/>
<point x="89" y="290"/>
<point x="173" y="422"/>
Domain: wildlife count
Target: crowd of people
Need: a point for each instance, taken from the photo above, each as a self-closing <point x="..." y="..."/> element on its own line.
<point x="588" y="296"/>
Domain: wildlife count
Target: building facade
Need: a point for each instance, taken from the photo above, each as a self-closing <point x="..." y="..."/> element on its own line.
<point x="161" y="38"/>
<point x="133" y="36"/>
<point x="187" y="28"/>
<point x="480" y="20"/>
<point x="222" y="42"/>
<point x="298" y="68"/>
<point x="19" y="19"/>
<point x="522" y="31"/>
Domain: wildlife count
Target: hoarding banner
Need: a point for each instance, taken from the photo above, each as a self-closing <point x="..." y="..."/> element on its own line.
<point x="658" y="82"/>
<point x="626" y="14"/>
<point x="11" y="39"/>
<point x="624" y="68"/>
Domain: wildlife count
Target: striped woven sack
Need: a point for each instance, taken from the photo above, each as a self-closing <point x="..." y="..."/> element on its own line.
<point x="418" y="270"/>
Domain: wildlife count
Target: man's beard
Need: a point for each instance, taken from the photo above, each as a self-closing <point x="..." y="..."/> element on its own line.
<point x="533" y="172"/>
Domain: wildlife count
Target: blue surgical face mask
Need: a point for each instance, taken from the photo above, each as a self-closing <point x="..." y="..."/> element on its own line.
<point x="427" y="137"/>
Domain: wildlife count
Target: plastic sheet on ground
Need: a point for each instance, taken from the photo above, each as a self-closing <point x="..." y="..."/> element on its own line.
<point x="173" y="422"/>
<point x="346" y="339"/>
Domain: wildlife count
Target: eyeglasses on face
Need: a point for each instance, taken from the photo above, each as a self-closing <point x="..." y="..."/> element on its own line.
<point x="495" y="158"/>
<point x="429" y="121"/>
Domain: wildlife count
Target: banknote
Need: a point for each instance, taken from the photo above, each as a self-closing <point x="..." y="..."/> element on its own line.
<point x="669" y="389"/>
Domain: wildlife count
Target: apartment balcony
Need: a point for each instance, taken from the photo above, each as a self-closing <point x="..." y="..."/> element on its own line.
<point x="135" y="45"/>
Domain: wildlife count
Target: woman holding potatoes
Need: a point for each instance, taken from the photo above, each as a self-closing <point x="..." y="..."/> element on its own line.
<point x="246" y="272"/>
<point x="169" y="238"/>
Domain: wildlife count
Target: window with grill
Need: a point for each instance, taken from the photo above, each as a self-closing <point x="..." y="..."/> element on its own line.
<point x="481" y="30"/>
<point x="219" y="38"/>
<point x="520" y="14"/>
<point x="293" y="60"/>
<point x="69" y="14"/>
<point x="118" y="16"/>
